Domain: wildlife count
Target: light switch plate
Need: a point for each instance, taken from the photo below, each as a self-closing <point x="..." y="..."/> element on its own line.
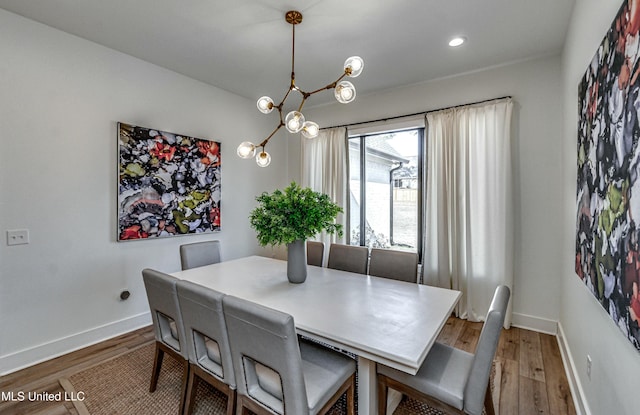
<point x="18" y="237"/>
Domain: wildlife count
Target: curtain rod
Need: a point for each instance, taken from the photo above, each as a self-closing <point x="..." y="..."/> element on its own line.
<point x="416" y="113"/>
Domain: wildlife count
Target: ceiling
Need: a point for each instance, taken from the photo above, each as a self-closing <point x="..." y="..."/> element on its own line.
<point x="244" y="46"/>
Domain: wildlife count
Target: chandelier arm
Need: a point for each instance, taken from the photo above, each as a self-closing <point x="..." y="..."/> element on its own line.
<point x="304" y="98"/>
<point x="280" y="113"/>
<point x="291" y="88"/>
<point x="328" y="86"/>
<point x="266" y="140"/>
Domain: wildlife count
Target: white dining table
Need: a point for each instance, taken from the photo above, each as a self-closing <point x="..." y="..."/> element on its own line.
<point x="380" y="320"/>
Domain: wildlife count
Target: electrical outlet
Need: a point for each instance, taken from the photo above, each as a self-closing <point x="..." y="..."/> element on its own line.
<point x="589" y="367"/>
<point x="18" y="237"/>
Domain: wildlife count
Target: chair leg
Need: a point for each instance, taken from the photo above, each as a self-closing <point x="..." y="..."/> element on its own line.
<point x="241" y="409"/>
<point x="382" y="395"/>
<point x="488" y="401"/>
<point x="183" y="387"/>
<point x="157" y="365"/>
<point x="192" y="387"/>
<point x="351" y="400"/>
<point x="231" y="402"/>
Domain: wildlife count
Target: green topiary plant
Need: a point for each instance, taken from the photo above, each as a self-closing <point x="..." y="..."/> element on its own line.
<point x="295" y="214"/>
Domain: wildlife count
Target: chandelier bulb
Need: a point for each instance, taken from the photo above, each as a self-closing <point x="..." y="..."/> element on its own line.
<point x="265" y="105"/>
<point x="294" y="121"/>
<point x="353" y="66"/>
<point x="345" y="92"/>
<point x="246" y="150"/>
<point x="310" y="129"/>
<point x="263" y="159"/>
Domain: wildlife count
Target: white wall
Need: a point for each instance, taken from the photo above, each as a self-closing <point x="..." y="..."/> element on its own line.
<point x="536" y="89"/>
<point x="588" y="329"/>
<point x="60" y="100"/>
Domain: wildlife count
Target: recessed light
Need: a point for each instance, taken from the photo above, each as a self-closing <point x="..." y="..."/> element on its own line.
<point x="457" y="41"/>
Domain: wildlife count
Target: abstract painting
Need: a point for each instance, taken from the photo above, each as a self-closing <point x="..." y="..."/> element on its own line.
<point x="608" y="185"/>
<point x="168" y="184"/>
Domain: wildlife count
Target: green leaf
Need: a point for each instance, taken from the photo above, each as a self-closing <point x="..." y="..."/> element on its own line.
<point x="297" y="213"/>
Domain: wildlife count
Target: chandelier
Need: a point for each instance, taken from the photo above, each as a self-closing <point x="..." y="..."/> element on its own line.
<point x="294" y="121"/>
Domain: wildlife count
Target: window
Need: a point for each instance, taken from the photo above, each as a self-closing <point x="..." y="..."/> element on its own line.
<point x="385" y="179"/>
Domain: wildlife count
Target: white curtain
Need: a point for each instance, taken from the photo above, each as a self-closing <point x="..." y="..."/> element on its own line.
<point x="324" y="169"/>
<point x="468" y="204"/>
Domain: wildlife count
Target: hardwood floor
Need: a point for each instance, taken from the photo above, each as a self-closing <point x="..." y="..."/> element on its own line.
<point x="529" y="377"/>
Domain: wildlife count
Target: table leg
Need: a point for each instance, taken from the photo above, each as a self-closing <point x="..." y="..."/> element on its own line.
<point x="367" y="387"/>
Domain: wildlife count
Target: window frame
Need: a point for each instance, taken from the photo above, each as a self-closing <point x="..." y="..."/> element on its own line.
<point x="361" y="137"/>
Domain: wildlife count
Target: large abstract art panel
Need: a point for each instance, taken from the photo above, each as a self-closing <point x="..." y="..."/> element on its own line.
<point x="608" y="185"/>
<point x="168" y="184"/>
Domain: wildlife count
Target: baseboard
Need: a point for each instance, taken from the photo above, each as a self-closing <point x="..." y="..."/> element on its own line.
<point x="542" y="325"/>
<point x="43" y="352"/>
<point x="577" y="392"/>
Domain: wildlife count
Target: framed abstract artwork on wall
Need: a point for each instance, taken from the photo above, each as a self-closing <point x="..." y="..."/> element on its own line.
<point x="608" y="180"/>
<point x="168" y="184"/>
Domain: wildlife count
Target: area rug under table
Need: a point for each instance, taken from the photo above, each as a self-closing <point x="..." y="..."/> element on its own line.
<point x="120" y="386"/>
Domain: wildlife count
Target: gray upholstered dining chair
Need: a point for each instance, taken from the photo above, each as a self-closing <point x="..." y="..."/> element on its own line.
<point x="167" y="326"/>
<point x="199" y="254"/>
<point x="452" y="380"/>
<point x="207" y="343"/>
<point x="348" y="258"/>
<point x="398" y="265"/>
<point x="315" y="253"/>
<point x="277" y="374"/>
